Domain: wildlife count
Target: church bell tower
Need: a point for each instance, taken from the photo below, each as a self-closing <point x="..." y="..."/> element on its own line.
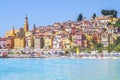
<point x="26" y="26"/>
<point x="13" y="32"/>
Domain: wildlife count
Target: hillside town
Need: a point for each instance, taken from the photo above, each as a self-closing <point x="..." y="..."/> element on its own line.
<point x="94" y="35"/>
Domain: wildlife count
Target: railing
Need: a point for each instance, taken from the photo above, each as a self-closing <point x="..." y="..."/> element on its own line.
<point x="15" y="50"/>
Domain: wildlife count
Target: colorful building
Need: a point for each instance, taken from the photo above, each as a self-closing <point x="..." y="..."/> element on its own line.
<point x="64" y="35"/>
<point x="38" y="42"/>
<point x="11" y="33"/>
<point x="57" y="42"/>
<point x="104" y="39"/>
<point x="9" y="43"/>
<point x="20" y="33"/>
<point x="66" y="40"/>
<point x="3" y="43"/>
<point x="29" y="40"/>
<point x="48" y="40"/>
<point x="88" y="41"/>
<point x="19" y="43"/>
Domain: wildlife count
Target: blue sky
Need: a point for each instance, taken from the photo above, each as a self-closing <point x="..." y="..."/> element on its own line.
<point x="46" y="12"/>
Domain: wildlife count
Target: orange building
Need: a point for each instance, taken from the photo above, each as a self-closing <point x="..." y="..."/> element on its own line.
<point x="9" y="43"/>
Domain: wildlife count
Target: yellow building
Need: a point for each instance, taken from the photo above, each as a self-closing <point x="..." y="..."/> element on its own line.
<point x="66" y="40"/>
<point x="113" y="20"/>
<point x="48" y="41"/>
<point x="88" y="42"/>
<point x="19" y="32"/>
<point x="11" y="33"/>
<point x="28" y="33"/>
<point x="15" y="33"/>
<point x="19" y="43"/>
<point x="66" y="43"/>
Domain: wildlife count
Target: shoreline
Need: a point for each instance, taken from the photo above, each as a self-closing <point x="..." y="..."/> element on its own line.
<point x="59" y="54"/>
<point x="79" y="56"/>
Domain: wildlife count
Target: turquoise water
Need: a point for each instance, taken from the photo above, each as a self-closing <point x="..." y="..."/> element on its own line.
<point x="59" y="69"/>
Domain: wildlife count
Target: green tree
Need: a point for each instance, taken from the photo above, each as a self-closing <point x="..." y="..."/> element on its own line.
<point x="117" y="48"/>
<point x="110" y="48"/>
<point x="117" y="23"/>
<point x="80" y="17"/>
<point x="114" y="13"/>
<point x="88" y="50"/>
<point x="97" y="46"/>
<point x="99" y="50"/>
<point x="103" y="12"/>
<point x="94" y="15"/>
<point x="73" y="49"/>
<point x="109" y="12"/>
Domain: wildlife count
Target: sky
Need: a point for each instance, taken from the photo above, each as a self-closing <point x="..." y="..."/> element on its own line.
<point x="47" y="12"/>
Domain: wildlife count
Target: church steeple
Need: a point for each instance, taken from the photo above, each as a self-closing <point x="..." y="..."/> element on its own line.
<point x="26" y="26"/>
<point x="13" y="31"/>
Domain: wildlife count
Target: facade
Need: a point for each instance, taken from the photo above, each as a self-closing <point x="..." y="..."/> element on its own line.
<point x="64" y="35"/>
<point x="9" y="43"/>
<point x="11" y="33"/>
<point x="66" y="40"/>
<point x="79" y="40"/>
<point x="29" y="42"/>
<point x="112" y="38"/>
<point x="88" y="41"/>
<point x="3" y="43"/>
<point x="57" y="42"/>
<point x="68" y="29"/>
<point x="104" y="39"/>
<point x="103" y="19"/>
<point x="96" y="37"/>
<point x="73" y="42"/>
<point x="38" y="42"/>
<point x="20" y="33"/>
<point x="48" y="39"/>
<point x="19" y="43"/>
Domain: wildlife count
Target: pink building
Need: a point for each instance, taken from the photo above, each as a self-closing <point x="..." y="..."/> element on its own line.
<point x="79" y="39"/>
<point x="2" y="43"/>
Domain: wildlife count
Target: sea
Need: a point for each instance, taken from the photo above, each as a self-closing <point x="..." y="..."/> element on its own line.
<point x="59" y="69"/>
